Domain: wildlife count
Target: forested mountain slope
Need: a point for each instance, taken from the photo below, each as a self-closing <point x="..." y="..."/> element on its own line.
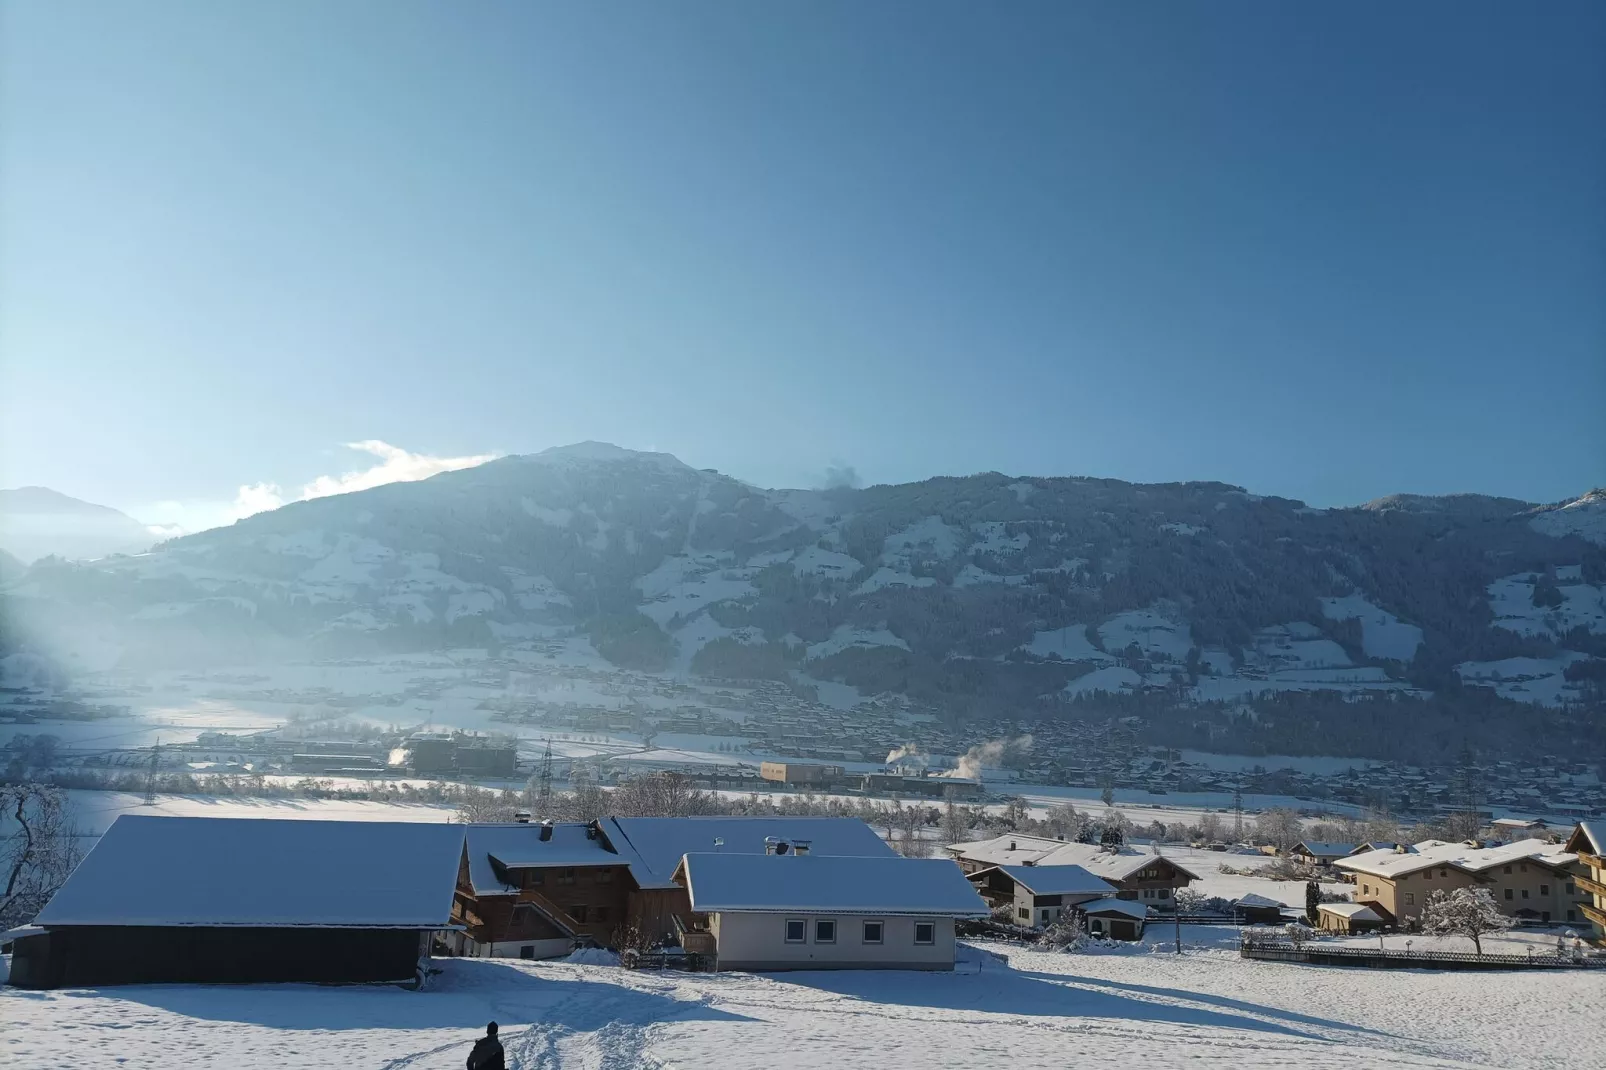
<point x="985" y="595"/>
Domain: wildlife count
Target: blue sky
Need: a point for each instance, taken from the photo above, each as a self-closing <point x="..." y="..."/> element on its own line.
<point x="1329" y="251"/>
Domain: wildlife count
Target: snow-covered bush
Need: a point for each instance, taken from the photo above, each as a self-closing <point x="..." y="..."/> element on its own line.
<point x="1469" y="912"/>
<point x="1065" y="933"/>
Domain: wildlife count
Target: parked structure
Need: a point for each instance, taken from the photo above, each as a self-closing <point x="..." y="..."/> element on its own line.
<point x="1118" y="919"/>
<point x="1317" y="853"/>
<point x="536" y="890"/>
<point x="201" y="899"/>
<point x="1135" y="874"/>
<point x="799" y="775"/>
<point x="1531" y="880"/>
<point x="1255" y="909"/>
<point x="1349" y="918"/>
<point x="1588" y="843"/>
<point x="1038" y="895"/>
<point x="815" y="912"/>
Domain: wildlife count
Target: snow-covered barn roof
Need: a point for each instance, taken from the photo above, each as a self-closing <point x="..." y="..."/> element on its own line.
<point x="519" y="845"/>
<point x="661" y="841"/>
<point x="824" y="884"/>
<point x="1115" y="906"/>
<point x="1053" y="880"/>
<point x="1256" y="902"/>
<point x="1352" y="911"/>
<point x="220" y="871"/>
<point x="1017" y="850"/>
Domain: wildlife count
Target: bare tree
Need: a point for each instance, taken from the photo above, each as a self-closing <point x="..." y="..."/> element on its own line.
<point x="955" y="828"/>
<point x="37" y="856"/>
<point x="1279" y="827"/>
<point x="1469" y="912"/>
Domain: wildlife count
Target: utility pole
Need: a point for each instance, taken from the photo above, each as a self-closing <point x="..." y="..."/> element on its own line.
<point x="150" y="777"/>
<point x="1238" y="814"/>
<point x="544" y="791"/>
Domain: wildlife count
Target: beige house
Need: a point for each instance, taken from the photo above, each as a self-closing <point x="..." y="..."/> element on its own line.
<point x="1135" y="873"/>
<point x="1530" y="880"/>
<point x="816" y="912"/>
<point x="1348" y="918"/>
<point x="1588" y="842"/>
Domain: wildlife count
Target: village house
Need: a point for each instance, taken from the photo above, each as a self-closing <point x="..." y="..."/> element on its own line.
<point x="1140" y="874"/>
<point x="1037" y="895"/>
<point x="1118" y="919"/>
<point x="536" y="890"/>
<point x="1530" y="880"/>
<point x="1252" y="909"/>
<point x="1316" y="853"/>
<point x="783" y="911"/>
<point x="1588" y="843"/>
<point x="183" y="900"/>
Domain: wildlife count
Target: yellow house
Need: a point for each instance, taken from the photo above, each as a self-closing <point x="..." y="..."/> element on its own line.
<point x="1530" y="880"/>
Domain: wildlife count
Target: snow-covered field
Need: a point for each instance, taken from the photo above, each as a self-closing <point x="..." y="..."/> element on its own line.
<point x="1132" y="1006"/>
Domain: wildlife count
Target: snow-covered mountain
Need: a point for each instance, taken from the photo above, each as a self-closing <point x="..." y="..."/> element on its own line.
<point x="987" y="594"/>
<point x="37" y="522"/>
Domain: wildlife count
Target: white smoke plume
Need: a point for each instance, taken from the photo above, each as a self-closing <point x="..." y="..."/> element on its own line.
<point x="989" y="754"/>
<point x="910" y="754"/>
<point x="395" y="465"/>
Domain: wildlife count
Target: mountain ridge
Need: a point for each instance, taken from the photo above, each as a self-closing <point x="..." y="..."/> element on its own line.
<point x="972" y="596"/>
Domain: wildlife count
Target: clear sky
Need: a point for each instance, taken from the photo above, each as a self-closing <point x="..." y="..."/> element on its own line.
<point x="1324" y="250"/>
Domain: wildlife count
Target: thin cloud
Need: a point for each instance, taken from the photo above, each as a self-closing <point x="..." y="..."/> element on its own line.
<point x="396" y="465"/>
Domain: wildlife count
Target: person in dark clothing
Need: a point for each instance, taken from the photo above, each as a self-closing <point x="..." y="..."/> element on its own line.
<point x="487" y="1053"/>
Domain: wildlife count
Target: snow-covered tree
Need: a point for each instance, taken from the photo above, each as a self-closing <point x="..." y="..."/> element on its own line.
<point x="1469" y="912"/>
<point x="1068" y="932"/>
<point x="37" y="854"/>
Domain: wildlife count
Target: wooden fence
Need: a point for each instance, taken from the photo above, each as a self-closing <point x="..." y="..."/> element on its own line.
<point x="1318" y="954"/>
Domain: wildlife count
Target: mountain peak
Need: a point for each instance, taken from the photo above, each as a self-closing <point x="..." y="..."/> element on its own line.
<point x="604" y="452"/>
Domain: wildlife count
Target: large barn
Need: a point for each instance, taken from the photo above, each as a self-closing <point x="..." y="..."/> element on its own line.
<point x="197" y="899"/>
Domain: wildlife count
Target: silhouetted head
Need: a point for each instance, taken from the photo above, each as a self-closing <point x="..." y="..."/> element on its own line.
<point x="490" y="1030"/>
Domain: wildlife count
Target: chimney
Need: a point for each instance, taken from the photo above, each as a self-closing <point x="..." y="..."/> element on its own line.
<point x="546" y="830"/>
<point x="1011" y="845"/>
<point x="522" y="817"/>
<point x="774" y="845"/>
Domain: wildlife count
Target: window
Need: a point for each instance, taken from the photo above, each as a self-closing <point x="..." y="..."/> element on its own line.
<point x="1525" y="893"/>
<point x="873" y="931"/>
<point x="1045" y="917"/>
<point x="796" y="930"/>
<point x="599" y="914"/>
<point x="532" y="878"/>
<point x="566" y="875"/>
<point x="1544" y="889"/>
<point x="1572" y="889"/>
<point x="1508" y="869"/>
<point x="578" y="913"/>
<point x="1164" y="893"/>
<point x="1523" y="866"/>
<point x="527" y="951"/>
<point x="825" y="931"/>
<point x="1508" y="893"/>
<point x="1572" y="915"/>
<point x="603" y="876"/>
<point x="925" y="932"/>
<point x="1410" y="899"/>
<point x="1148" y="893"/>
<point x="1444" y="872"/>
<point x="1024" y="913"/>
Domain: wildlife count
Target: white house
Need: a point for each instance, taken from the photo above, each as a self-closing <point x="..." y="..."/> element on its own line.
<point x="818" y="912"/>
<point x="1038" y="895"/>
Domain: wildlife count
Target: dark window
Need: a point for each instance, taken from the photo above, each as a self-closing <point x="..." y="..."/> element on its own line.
<point x="1410" y="899"/>
<point x="1544" y="889"/>
<point x="566" y="875"/>
<point x="578" y="913"/>
<point x="604" y="876"/>
<point x="1525" y="893"/>
<point x="1444" y="872"/>
<point x="527" y="951"/>
<point x="872" y="932"/>
<point x="925" y="932"/>
<point x="599" y="914"/>
<point x="796" y="930"/>
<point x="1572" y="915"/>
<point x="1508" y="869"/>
<point x="1508" y="893"/>
<point x="824" y="931"/>
<point x="1165" y="893"/>
<point x="1572" y="889"/>
<point x="1024" y="913"/>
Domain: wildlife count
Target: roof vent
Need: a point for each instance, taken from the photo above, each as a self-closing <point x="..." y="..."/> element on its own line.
<point x="546" y="829"/>
<point x="774" y="845"/>
<point x="1011" y="845"/>
<point x="522" y="817"/>
<point x="801" y="847"/>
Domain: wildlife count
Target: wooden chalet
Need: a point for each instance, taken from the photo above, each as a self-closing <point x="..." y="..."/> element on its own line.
<point x="1588" y="842"/>
<point x="537" y="890"/>
<point x="1140" y="874"/>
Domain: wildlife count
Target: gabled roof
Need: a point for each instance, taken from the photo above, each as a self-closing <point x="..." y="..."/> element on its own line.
<point x="519" y="845"/>
<point x="660" y="842"/>
<point x="1256" y="902"/>
<point x="1052" y="880"/>
<point x="824" y="884"/>
<point x="1115" y="906"/>
<point x="1352" y="911"/>
<point x="1322" y="849"/>
<point x="217" y="871"/>
<point x="1589" y="837"/>
<point x="1016" y="850"/>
